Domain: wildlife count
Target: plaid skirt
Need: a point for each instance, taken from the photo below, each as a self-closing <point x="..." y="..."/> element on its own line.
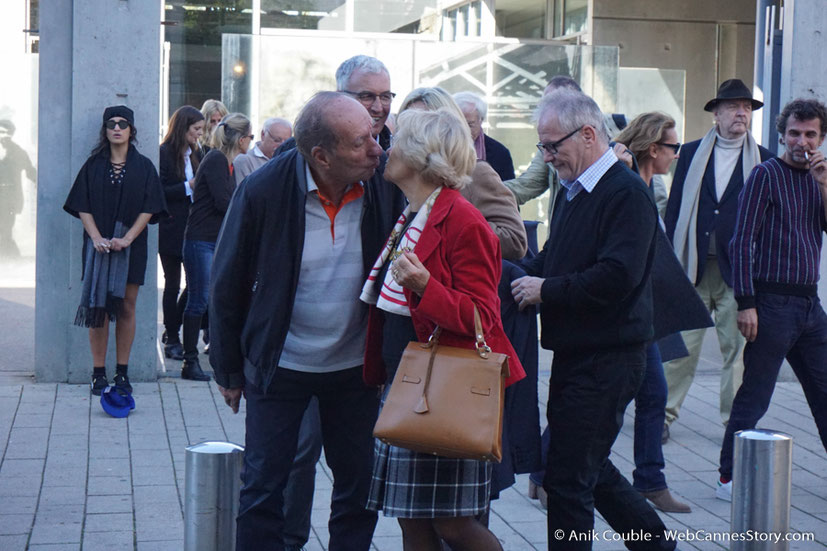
<point x="408" y="484"/>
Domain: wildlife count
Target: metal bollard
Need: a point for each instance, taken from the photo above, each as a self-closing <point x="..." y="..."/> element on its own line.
<point x="761" y="485"/>
<point x="211" y="488"/>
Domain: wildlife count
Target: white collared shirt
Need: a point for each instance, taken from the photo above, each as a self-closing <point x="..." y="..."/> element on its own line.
<point x="188" y="172"/>
<point x="588" y="180"/>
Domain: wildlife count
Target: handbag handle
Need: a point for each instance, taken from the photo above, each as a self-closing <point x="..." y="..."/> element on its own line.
<point x="433" y="342"/>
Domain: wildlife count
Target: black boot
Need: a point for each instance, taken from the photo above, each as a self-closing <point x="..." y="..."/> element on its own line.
<point x="172" y="346"/>
<point x="191" y="368"/>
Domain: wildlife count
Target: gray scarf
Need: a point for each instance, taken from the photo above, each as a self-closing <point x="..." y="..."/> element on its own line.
<point x="686" y="228"/>
<point x="104" y="283"/>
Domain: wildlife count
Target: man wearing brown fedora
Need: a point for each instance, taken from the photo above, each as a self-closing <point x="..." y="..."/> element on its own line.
<point x="700" y="219"/>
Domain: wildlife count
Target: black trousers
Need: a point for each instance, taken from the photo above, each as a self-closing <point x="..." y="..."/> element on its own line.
<point x="171" y="265"/>
<point x="348" y="411"/>
<point x="588" y="397"/>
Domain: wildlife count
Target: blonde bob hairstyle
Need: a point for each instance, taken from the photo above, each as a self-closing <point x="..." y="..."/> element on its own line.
<point x="437" y="145"/>
<point x="229" y="132"/>
<point x="645" y="130"/>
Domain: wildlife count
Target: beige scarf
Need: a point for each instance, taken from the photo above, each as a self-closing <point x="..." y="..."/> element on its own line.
<point x="686" y="229"/>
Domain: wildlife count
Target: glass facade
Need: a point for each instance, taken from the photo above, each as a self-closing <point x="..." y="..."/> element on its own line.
<point x="18" y="143"/>
<point x="283" y="70"/>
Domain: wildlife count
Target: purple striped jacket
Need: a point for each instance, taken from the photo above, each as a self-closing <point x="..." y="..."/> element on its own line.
<point x="776" y="245"/>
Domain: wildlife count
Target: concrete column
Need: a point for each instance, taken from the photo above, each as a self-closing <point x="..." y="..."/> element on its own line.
<point x="802" y="68"/>
<point x="93" y="53"/>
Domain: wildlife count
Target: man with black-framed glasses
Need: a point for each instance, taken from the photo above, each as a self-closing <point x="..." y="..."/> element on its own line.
<point x="367" y="80"/>
<point x="593" y="287"/>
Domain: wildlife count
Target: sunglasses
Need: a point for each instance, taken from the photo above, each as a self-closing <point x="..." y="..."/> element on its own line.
<point x="551" y="147"/>
<point x="676" y="147"/>
<point x="123" y="124"/>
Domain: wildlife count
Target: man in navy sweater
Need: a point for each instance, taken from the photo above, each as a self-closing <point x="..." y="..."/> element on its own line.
<point x="592" y="283"/>
<point x="775" y="252"/>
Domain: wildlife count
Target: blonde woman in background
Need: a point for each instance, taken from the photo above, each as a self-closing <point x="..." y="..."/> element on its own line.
<point x="213" y="111"/>
<point x="653" y="140"/>
<point x="213" y="189"/>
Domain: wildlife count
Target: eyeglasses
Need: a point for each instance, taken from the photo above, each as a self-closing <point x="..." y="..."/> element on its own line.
<point x="676" y="147"/>
<point x="551" y="147"/>
<point x="251" y="136"/>
<point x="368" y="98"/>
<point x="123" y="124"/>
<point x="274" y="138"/>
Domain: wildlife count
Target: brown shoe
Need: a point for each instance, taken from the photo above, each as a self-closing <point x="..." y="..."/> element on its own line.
<point x="664" y="501"/>
<point x="664" y="436"/>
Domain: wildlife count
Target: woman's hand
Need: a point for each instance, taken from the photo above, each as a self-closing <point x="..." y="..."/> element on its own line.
<point x="623" y="153"/>
<point x="120" y="243"/>
<point x="410" y="273"/>
<point x="101" y="245"/>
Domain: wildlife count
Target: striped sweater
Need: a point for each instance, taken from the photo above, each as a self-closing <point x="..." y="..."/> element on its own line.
<point x="776" y="245"/>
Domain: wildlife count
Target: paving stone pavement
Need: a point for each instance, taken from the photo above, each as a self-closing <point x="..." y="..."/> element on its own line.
<point x="72" y="477"/>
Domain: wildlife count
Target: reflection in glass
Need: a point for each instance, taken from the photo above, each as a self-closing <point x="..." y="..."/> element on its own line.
<point x="285" y="70"/>
<point x="574" y="16"/>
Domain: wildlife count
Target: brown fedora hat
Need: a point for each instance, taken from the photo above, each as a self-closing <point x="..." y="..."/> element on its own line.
<point x="733" y="89"/>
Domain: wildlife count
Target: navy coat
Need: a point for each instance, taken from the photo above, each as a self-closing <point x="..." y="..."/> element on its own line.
<point x="498" y="156"/>
<point x="714" y="215"/>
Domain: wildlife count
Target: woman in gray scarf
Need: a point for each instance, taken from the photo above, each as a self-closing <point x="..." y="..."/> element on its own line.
<point x="116" y="194"/>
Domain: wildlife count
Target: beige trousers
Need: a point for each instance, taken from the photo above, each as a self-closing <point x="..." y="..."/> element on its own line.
<point x="720" y="300"/>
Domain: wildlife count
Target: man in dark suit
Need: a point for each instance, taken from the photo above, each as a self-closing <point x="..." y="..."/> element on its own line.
<point x="592" y="283"/>
<point x="488" y="149"/>
<point x="700" y="218"/>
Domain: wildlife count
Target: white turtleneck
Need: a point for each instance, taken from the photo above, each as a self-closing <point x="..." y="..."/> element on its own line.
<point x="726" y="157"/>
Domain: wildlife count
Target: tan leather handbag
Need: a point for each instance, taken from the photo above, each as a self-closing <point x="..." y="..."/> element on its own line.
<point x="447" y="401"/>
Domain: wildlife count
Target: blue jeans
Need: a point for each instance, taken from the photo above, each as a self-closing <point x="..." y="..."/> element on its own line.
<point x="197" y="262"/>
<point x="650" y="414"/>
<point x="791" y="327"/>
<point x="589" y="393"/>
<point x="348" y="410"/>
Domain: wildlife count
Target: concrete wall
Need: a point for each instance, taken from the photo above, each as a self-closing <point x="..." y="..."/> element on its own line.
<point x="711" y="40"/>
<point x="93" y="53"/>
<point x="805" y="41"/>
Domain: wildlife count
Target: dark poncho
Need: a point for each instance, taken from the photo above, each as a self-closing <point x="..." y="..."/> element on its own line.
<point x="114" y="208"/>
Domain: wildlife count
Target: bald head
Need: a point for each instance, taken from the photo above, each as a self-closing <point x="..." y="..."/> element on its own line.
<point x="314" y="124"/>
<point x="333" y="133"/>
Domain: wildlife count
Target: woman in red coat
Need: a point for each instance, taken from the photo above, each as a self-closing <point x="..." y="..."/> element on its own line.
<point x="441" y="260"/>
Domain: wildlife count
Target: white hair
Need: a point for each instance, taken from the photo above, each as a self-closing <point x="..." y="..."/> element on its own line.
<point x="365" y="63"/>
<point x="573" y="110"/>
<point x="276" y="120"/>
<point x="472" y="99"/>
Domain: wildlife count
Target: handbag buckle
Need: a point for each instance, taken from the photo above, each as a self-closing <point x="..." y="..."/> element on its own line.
<point x="483" y="349"/>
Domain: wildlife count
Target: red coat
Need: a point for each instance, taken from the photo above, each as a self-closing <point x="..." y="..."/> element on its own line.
<point x="463" y="257"/>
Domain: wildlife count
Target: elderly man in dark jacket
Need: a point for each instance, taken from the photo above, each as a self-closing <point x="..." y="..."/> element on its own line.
<point x="298" y="242"/>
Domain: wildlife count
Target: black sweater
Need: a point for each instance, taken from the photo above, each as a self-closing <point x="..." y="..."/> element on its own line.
<point x="213" y="190"/>
<point x="596" y="264"/>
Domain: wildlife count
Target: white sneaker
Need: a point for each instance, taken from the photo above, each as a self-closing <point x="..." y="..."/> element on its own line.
<point x="724" y="491"/>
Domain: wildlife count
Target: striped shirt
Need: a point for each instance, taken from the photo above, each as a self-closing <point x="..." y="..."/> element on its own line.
<point x="776" y="245"/>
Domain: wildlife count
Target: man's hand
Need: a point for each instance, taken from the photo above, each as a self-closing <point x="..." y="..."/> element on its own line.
<point x="818" y="168"/>
<point x="748" y="323"/>
<point x="526" y="291"/>
<point x="232" y="396"/>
